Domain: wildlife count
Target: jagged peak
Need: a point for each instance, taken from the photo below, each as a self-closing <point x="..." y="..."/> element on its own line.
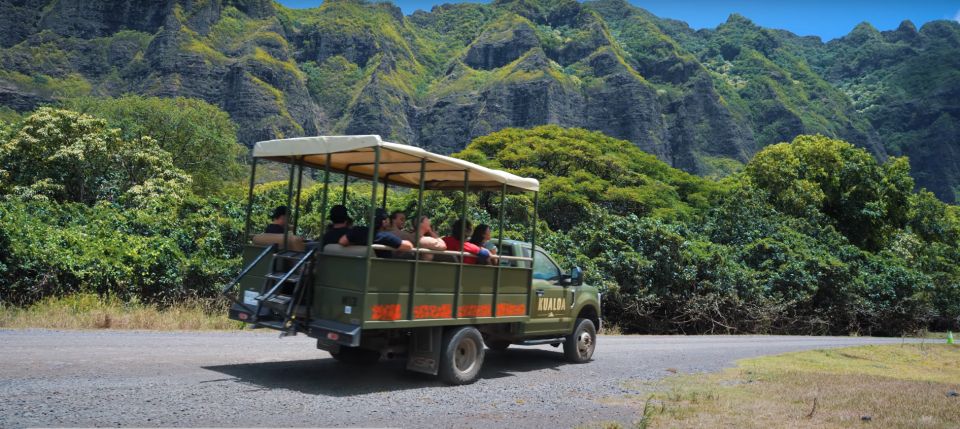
<point x="550" y="12"/>
<point x="614" y="3"/>
<point x="862" y="33"/>
<point x="906" y="32"/>
<point x="736" y="19"/>
<point x="865" y="27"/>
<point x="941" y="30"/>
<point x="535" y="59"/>
<point x="907" y="25"/>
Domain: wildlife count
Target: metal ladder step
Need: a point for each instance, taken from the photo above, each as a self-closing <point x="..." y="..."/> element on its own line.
<point x="288" y="255"/>
<point x="277" y="302"/>
<point x="278" y="276"/>
<point x="272" y="324"/>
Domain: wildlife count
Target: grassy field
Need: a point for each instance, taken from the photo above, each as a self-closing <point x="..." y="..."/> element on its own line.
<point x="909" y="385"/>
<point x="88" y="311"/>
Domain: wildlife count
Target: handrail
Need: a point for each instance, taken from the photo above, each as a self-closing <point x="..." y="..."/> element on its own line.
<point x="242" y="274"/>
<point x="287" y="275"/>
<point x="447" y="252"/>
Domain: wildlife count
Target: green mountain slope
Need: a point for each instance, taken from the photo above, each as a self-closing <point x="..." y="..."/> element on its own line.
<point x="702" y="101"/>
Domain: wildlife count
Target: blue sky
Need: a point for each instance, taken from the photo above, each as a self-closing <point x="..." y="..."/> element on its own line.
<point x="825" y="18"/>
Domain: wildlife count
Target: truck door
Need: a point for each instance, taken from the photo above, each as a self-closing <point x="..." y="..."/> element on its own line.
<point x="551" y="301"/>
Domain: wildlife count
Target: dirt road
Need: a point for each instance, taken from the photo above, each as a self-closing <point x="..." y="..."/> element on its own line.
<point x="250" y="379"/>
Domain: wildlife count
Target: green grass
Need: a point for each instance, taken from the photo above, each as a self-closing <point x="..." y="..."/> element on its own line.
<point x="889" y="386"/>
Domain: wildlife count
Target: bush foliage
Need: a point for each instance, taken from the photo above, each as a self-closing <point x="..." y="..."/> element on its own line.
<point x="814" y="236"/>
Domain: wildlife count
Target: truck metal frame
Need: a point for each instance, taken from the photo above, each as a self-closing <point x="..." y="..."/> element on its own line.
<point x="438" y="314"/>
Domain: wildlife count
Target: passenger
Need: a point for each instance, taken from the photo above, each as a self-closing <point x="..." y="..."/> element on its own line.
<point x="397" y="219"/>
<point x="279" y="219"/>
<point x="358" y="236"/>
<point x="477" y="253"/>
<point x="340" y="223"/>
<point x="429" y="239"/>
<point x="481" y="237"/>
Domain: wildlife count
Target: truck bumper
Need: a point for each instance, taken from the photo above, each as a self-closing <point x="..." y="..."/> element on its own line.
<point x="333" y="334"/>
<point x="243" y="315"/>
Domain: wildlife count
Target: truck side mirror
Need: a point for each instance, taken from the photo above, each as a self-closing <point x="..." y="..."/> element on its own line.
<point x="576" y="276"/>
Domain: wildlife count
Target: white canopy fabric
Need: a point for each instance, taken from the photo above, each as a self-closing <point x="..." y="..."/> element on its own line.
<point x="399" y="164"/>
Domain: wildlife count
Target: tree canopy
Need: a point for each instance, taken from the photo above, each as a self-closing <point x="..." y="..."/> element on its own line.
<point x="201" y="138"/>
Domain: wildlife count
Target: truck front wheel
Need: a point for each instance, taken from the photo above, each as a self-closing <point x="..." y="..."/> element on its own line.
<point x="579" y="346"/>
<point x="462" y="355"/>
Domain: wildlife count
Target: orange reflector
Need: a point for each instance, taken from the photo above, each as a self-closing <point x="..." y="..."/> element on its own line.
<point x="333" y="336"/>
<point x="242" y="316"/>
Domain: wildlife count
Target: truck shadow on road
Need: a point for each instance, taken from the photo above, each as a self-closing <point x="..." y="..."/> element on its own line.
<point x="328" y="377"/>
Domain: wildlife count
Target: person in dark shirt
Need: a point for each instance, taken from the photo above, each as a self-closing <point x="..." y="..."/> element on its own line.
<point x="279" y="219"/>
<point x="358" y="236"/>
<point x="339" y="225"/>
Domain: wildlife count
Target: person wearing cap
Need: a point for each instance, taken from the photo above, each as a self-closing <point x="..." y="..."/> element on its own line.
<point x="278" y="220"/>
<point x="358" y="236"/>
<point x="339" y="225"/>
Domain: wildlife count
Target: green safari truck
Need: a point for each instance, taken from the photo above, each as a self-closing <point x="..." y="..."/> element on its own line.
<point x="431" y="307"/>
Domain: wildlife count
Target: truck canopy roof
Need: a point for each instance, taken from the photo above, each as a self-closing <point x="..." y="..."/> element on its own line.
<point x="399" y="164"/>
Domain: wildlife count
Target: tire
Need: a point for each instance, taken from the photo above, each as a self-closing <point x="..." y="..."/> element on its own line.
<point x="461" y="355"/>
<point x="579" y="346"/>
<point x="356" y="356"/>
<point x="497" y="345"/>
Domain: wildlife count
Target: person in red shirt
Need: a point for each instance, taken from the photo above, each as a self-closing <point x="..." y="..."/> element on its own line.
<point x="473" y="253"/>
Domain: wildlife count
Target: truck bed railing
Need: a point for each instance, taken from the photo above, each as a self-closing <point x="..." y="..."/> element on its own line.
<point x="447" y="252"/>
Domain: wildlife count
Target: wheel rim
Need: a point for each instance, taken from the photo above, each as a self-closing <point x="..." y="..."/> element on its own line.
<point x="585" y="345"/>
<point x="466" y="355"/>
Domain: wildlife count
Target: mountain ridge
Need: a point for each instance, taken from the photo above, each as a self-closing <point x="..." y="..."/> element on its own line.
<point x="704" y="101"/>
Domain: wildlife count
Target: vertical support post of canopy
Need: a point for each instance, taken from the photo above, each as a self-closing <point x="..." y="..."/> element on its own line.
<point x="286" y="222"/>
<point x="253" y="177"/>
<point x="533" y="243"/>
<point x="296" y="211"/>
<point x="371" y="226"/>
<point x="346" y="181"/>
<point x="496" y="285"/>
<point x="326" y="187"/>
<point x="416" y="241"/>
<point x="386" y="185"/>
<point x="463" y="240"/>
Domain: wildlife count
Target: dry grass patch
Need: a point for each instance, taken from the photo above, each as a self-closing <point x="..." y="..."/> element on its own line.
<point x="908" y="385"/>
<point x="89" y="311"/>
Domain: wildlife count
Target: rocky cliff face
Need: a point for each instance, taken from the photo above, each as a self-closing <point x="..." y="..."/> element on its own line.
<point x="704" y="101"/>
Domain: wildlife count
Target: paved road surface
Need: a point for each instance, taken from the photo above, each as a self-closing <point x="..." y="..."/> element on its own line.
<point x="116" y="378"/>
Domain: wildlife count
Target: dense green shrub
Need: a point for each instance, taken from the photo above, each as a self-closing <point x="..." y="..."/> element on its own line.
<point x="201" y="138"/>
<point x="815" y="237"/>
<point x="65" y="156"/>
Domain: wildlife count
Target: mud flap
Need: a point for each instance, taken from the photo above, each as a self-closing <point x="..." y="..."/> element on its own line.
<point x="424" y="352"/>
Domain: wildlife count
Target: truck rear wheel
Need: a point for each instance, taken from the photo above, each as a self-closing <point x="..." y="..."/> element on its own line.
<point x="462" y="355"/>
<point x="356" y="356"/>
<point x="579" y="346"/>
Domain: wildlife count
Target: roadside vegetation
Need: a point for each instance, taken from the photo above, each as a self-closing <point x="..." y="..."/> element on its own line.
<point x="812" y="237"/>
<point x="908" y="385"/>
<point x="90" y="311"/>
